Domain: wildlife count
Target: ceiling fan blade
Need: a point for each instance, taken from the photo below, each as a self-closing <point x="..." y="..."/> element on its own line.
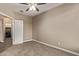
<point x="27" y="9"/>
<point x="37" y="9"/>
<point x="25" y="3"/>
<point x="40" y="3"/>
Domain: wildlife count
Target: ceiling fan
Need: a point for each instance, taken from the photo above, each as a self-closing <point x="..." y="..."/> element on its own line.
<point x="33" y="6"/>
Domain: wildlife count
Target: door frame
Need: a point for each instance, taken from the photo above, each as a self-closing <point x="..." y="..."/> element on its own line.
<point x="11" y="25"/>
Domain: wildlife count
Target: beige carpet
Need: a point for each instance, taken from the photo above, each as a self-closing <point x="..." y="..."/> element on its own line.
<point x="33" y="49"/>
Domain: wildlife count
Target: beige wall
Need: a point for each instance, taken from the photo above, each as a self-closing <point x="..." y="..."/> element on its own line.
<point x="27" y="28"/>
<point x="26" y="19"/>
<point x="59" y="27"/>
<point x="1" y="31"/>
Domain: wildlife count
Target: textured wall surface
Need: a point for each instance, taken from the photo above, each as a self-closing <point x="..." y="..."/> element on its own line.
<point x="59" y="27"/>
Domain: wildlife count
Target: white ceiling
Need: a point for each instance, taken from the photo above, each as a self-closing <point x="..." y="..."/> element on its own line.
<point x="42" y="8"/>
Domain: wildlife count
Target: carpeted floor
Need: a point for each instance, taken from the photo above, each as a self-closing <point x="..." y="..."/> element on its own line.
<point x="33" y="49"/>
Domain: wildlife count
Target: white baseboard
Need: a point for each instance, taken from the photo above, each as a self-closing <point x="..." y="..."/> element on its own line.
<point x="15" y="43"/>
<point x="66" y="50"/>
<point x="28" y="40"/>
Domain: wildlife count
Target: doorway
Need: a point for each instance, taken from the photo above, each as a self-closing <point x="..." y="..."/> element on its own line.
<point x="7" y="26"/>
<point x="5" y="33"/>
<point x="12" y="31"/>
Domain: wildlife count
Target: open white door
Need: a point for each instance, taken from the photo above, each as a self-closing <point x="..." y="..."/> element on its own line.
<point x="17" y="31"/>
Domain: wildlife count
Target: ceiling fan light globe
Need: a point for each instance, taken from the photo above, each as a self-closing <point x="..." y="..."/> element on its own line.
<point x="32" y="8"/>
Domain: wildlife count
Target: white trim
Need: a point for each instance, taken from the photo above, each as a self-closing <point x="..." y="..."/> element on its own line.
<point x="15" y="43"/>
<point x="28" y="40"/>
<point x="6" y="15"/>
<point x="23" y="42"/>
<point x="66" y="50"/>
